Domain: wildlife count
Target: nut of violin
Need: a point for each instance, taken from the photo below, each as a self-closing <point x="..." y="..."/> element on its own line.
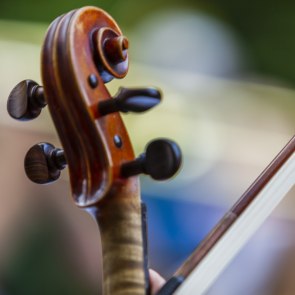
<point x="26" y="101"/>
<point x="43" y="163"/>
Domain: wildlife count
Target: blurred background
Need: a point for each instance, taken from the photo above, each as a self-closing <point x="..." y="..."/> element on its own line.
<point x="228" y="74"/>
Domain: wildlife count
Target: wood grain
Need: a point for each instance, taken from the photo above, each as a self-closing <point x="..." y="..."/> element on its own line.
<point x="120" y="223"/>
<point x="68" y="59"/>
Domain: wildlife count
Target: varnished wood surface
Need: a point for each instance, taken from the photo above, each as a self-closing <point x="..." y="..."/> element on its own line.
<point x="233" y="214"/>
<point x="119" y="219"/>
<point x="68" y="59"/>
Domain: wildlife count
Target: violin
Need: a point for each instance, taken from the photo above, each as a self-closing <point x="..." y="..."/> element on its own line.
<point x="83" y="50"/>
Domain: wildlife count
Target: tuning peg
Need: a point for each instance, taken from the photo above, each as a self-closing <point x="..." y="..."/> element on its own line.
<point x="161" y="160"/>
<point x="43" y="163"/>
<point x="26" y="101"/>
<point x="131" y="100"/>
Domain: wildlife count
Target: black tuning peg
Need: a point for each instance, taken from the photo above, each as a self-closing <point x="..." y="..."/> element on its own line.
<point x="131" y="100"/>
<point x="43" y="163"/>
<point x="161" y="160"/>
<point x="26" y="101"/>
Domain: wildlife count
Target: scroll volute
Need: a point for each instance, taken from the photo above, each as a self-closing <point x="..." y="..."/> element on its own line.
<point x="84" y="49"/>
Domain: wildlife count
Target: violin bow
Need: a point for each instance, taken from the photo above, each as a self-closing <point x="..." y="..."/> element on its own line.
<point x="235" y="228"/>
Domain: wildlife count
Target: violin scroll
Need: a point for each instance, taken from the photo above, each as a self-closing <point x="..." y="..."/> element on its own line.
<point x="111" y="52"/>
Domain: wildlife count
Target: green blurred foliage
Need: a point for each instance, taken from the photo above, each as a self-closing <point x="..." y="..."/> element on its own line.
<point x="265" y="28"/>
<point x="126" y="11"/>
<point x="41" y="265"/>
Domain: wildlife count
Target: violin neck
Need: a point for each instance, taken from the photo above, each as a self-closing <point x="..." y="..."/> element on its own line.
<point x="121" y="222"/>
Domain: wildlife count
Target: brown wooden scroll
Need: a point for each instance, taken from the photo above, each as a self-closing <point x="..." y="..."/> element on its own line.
<point x="83" y="50"/>
<point x="72" y="85"/>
